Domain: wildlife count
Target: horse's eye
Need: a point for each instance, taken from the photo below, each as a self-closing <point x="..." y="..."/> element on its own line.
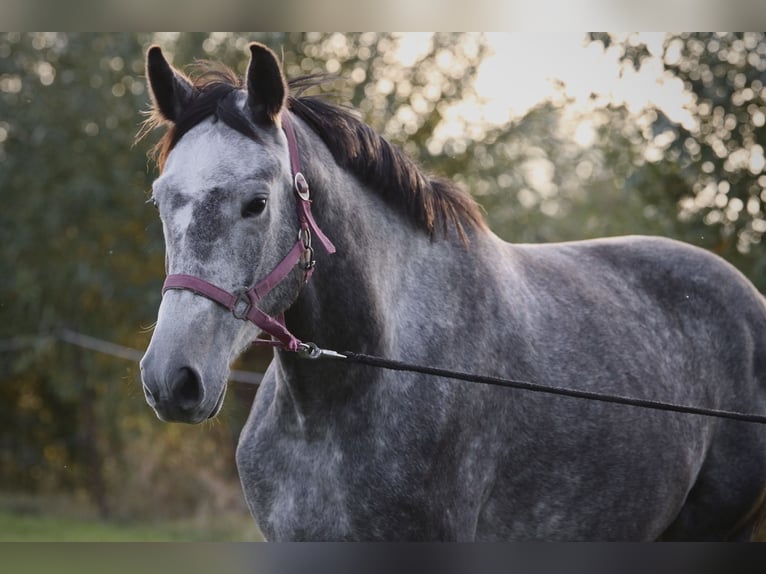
<point x="254" y="207"/>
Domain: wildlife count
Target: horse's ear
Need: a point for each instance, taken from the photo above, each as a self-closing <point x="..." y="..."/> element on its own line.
<point x="266" y="86"/>
<point x="170" y="89"/>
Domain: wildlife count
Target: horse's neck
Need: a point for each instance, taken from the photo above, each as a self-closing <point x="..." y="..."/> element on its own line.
<point x="349" y="300"/>
<point x="357" y="297"/>
<point x="389" y="290"/>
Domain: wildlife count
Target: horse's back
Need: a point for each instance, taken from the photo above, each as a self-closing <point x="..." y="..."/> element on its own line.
<point x="659" y="319"/>
<point x="658" y="265"/>
<point x="664" y="285"/>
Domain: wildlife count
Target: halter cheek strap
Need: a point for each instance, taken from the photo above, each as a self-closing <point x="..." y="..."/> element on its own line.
<point x="243" y="302"/>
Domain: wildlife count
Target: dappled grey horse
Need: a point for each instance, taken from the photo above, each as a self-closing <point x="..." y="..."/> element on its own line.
<point x="251" y="175"/>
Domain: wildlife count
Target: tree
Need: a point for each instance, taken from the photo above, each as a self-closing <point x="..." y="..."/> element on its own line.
<point x="714" y="169"/>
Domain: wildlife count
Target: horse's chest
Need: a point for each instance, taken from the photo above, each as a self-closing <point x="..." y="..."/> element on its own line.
<point x="354" y="477"/>
<point x="295" y="489"/>
<point x="300" y="489"/>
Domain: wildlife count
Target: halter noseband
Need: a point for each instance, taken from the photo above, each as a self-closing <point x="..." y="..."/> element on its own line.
<point x="242" y="303"/>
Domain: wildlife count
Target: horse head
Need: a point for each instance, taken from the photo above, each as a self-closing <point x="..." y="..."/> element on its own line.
<point x="228" y="215"/>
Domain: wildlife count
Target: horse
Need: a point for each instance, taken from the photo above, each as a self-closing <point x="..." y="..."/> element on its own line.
<point x="404" y="266"/>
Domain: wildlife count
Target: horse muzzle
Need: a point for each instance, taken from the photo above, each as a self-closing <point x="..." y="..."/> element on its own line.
<point x="178" y="392"/>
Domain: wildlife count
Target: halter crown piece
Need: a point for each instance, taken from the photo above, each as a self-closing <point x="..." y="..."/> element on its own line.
<point x="242" y="303"/>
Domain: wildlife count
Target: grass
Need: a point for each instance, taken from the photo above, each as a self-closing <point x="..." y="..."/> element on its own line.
<point x="25" y="521"/>
<point x="19" y="524"/>
<point x="21" y="528"/>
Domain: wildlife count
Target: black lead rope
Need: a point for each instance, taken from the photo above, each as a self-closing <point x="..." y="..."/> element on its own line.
<point x="311" y="351"/>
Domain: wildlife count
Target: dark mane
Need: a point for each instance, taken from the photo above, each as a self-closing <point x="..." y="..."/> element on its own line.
<point x="433" y="203"/>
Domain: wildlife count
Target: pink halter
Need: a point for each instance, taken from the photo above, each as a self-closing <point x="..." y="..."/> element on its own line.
<point x="242" y="303"/>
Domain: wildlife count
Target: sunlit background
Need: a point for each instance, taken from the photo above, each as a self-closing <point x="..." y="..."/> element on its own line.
<point x="559" y="136"/>
<point x="405" y="15"/>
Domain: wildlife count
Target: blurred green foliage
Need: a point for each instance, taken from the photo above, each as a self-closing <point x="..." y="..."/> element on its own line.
<point x="81" y="250"/>
<point x="713" y="170"/>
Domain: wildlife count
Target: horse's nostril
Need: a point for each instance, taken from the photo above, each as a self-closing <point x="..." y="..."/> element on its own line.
<point x="150" y="394"/>
<point x="186" y="388"/>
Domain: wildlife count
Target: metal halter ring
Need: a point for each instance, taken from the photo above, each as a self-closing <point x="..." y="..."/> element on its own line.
<point x="309" y="351"/>
<point x="301" y="186"/>
<point x="242" y="305"/>
<point x="308" y="260"/>
<point x="304" y="235"/>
